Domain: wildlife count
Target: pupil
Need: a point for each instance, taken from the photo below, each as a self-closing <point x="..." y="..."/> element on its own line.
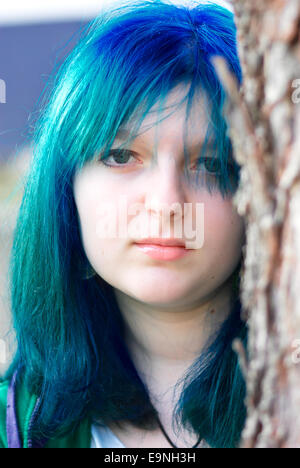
<point x="212" y="164"/>
<point x="121" y="156"/>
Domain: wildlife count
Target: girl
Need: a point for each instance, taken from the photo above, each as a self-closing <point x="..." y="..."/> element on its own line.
<point x="127" y="252"/>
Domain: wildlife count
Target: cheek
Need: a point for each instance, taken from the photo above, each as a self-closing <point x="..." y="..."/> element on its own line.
<point x="97" y="209"/>
<point x="223" y="232"/>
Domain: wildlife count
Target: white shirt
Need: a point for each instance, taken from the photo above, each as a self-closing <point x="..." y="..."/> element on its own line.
<point x="103" y="437"/>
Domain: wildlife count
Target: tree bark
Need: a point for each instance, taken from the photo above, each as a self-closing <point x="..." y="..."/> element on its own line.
<point x="264" y="121"/>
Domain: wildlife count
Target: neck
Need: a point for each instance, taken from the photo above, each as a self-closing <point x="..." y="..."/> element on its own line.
<point x="171" y="338"/>
<point x="164" y="342"/>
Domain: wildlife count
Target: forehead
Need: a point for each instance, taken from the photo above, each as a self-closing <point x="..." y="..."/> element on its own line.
<point x="172" y="121"/>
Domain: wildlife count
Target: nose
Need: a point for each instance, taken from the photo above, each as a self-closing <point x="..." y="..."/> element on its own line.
<point x="165" y="195"/>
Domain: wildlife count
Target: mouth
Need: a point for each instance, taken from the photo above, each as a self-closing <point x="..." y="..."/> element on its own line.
<point x="162" y="249"/>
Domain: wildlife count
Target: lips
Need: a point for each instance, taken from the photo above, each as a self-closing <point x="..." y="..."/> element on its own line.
<point x="162" y="242"/>
<point x="162" y="249"/>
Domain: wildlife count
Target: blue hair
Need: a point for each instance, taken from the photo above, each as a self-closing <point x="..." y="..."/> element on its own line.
<point x="70" y="347"/>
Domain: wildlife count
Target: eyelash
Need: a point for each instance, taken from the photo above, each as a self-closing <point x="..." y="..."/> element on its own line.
<point x="131" y="153"/>
<point x="111" y="153"/>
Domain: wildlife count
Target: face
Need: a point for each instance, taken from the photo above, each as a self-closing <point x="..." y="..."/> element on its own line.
<point x="139" y="195"/>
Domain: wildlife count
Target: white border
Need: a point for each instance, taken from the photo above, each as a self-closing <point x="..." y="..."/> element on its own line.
<point x="16" y="12"/>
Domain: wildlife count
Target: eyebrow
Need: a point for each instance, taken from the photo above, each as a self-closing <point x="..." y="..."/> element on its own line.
<point x="124" y="132"/>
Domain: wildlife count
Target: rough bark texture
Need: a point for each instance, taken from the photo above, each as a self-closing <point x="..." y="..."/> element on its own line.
<point x="264" y="123"/>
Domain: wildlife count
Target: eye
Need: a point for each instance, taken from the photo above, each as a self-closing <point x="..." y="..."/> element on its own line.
<point x="120" y="157"/>
<point x="210" y="165"/>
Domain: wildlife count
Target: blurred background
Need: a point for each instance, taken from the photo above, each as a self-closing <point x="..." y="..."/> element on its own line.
<point x="35" y="36"/>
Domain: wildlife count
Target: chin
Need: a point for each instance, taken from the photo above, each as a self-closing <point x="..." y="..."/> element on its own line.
<point x="158" y="295"/>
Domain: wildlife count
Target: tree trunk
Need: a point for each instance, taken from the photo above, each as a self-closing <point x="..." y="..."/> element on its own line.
<point x="264" y="120"/>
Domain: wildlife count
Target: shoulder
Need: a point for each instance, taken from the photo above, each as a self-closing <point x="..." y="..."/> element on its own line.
<point x="16" y="406"/>
<point x="3" y="402"/>
<point x="79" y="437"/>
<point x="25" y="403"/>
